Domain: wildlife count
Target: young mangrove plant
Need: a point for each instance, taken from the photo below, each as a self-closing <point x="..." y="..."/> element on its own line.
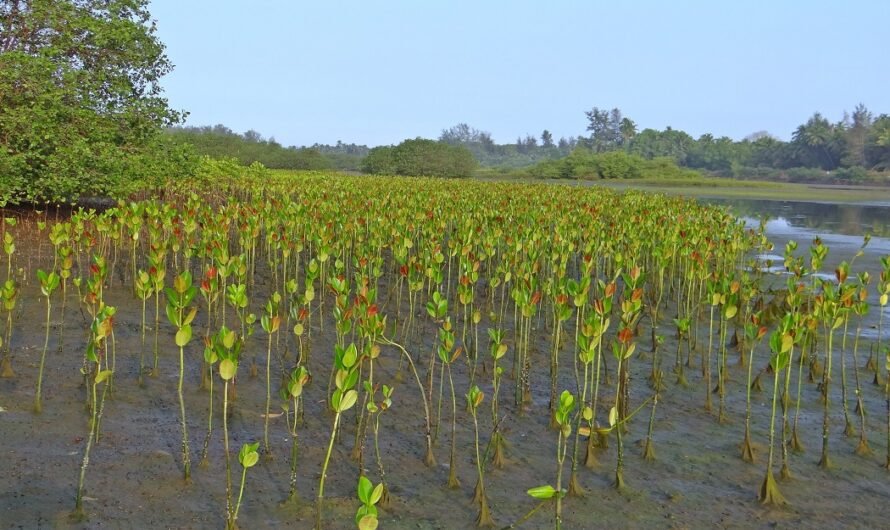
<point x="781" y="342"/>
<point x="564" y="418"/>
<point x="228" y="350"/>
<point x="270" y="322"/>
<point x="296" y="383"/>
<point x="181" y="314"/>
<point x="343" y="398"/>
<point x="9" y="294"/>
<point x="548" y="493"/>
<point x="369" y="495"/>
<point x="483" y="519"/>
<point x="100" y="330"/>
<point x="376" y="409"/>
<point x="143" y="286"/>
<point x="754" y="333"/>
<point x="248" y="457"/>
<point x="860" y="309"/>
<point x="828" y="310"/>
<point x="447" y="355"/>
<point x="211" y="357"/>
<point x="497" y="350"/>
<point x="622" y="349"/>
<point x="48" y="284"/>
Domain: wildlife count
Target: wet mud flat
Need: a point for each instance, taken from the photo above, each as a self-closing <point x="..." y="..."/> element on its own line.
<point x="134" y="479"/>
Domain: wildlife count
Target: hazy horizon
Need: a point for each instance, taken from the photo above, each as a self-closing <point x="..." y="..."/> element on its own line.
<point x="376" y="73"/>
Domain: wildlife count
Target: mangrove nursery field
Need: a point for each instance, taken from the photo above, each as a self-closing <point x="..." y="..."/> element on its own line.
<point x="299" y="350"/>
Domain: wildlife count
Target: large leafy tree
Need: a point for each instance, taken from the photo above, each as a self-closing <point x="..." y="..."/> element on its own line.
<point x="818" y="143"/>
<point x="81" y="105"/>
<point x="420" y="157"/>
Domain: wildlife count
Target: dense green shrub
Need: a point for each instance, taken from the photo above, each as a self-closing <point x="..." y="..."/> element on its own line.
<point x="420" y="157"/>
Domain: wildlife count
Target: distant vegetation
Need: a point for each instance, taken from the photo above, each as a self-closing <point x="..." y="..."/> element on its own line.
<point x="221" y="142"/>
<point x="855" y="149"/>
<point x="421" y="158"/>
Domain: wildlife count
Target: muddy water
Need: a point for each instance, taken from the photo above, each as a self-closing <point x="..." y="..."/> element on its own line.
<point x="697" y="480"/>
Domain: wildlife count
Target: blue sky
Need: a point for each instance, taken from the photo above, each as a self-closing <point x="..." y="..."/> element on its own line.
<point x="377" y="72"/>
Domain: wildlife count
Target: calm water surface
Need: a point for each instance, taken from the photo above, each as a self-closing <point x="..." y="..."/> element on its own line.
<point x="840" y="226"/>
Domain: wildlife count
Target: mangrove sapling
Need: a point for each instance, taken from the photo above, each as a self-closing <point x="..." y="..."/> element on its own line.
<point x="602" y="308"/>
<point x="497" y="349"/>
<point x="729" y="299"/>
<point x="270" y="322"/>
<point x="157" y="270"/>
<point x="209" y="289"/>
<point x="343" y="398"/>
<point x="100" y="330"/>
<point x="587" y="346"/>
<point x="714" y="301"/>
<point x="228" y="350"/>
<point x="211" y="357"/>
<point x="845" y="304"/>
<point x="48" y="284"/>
<point x="179" y="299"/>
<point x="561" y="312"/>
<point x="447" y="355"/>
<point x="9" y="294"/>
<point x="564" y="420"/>
<point x="682" y="325"/>
<point x="781" y="342"/>
<point x="799" y="298"/>
<point x="248" y="457"/>
<point x="860" y="308"/>
<point x="369" y="495"/>
<point x="483" y="519"/>
<point x="754" y="332"/>
<point x="143" y="288"/>
<point x="793" y="324"/>
<point x="622" y="349"/>
<point x="828" y="310"/>
<point x="883" y="295"/>
<point x="65" y="265"/>
<point x="376" y="409"/>
<point x="299" y="378"/>
<point x="437" y="308"/>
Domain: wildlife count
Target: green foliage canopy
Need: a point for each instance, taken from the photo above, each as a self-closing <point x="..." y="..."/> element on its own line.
<point x="81" y="106"/>
<point x="420" y="157"/>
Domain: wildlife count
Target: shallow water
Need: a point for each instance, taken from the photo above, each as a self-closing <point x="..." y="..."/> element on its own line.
<point x="842" y="227"/>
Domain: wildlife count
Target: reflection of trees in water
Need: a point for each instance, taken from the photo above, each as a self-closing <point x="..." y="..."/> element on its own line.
<point x="849" y="219"/>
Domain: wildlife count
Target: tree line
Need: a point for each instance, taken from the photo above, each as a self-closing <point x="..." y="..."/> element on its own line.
<point x="220" y="141"/>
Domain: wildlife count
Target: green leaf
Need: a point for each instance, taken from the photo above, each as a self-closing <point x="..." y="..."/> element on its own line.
<point x="542" y="492"/>
<point x="368" y="522"/>
<point x="377" y="494"/>
<point x="347" y="401"/>
<point x="102" y="376"/>
<point x="248" y="455"/>
<point x="730" y="311"/>
<point x="365" y="488"/>
<point x="613" y="416"/>
<point x="183" y="336"/>
<point x="227" y="369"/>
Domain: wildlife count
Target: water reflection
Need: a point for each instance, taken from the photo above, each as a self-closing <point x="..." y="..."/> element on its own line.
<point x="839" y="226"/>
<point x="848" y="219"/>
